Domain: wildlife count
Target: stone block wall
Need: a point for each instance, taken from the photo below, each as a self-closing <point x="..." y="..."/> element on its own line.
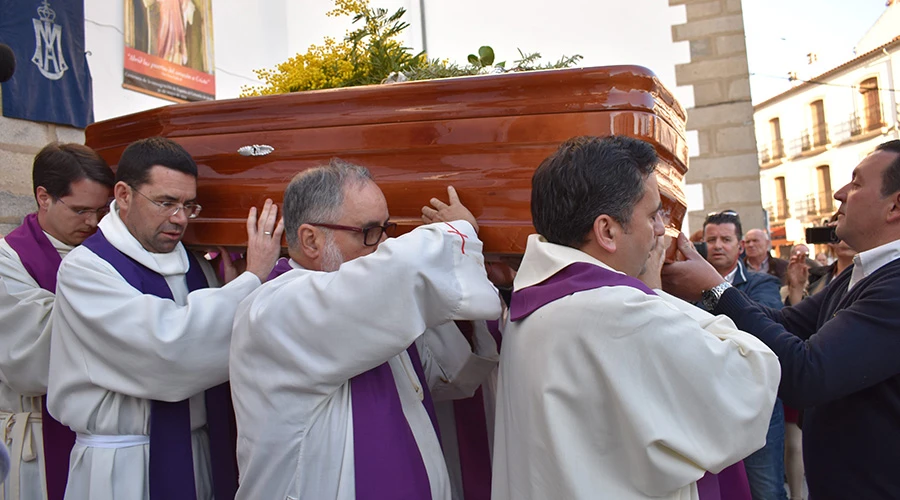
<point x="20" y="140"/>
<point x="722" y="115"/>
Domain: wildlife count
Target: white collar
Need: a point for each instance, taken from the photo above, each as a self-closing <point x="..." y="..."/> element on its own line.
<point x="730" y="276"/>
<point x="543" y="259"/>
<point x="167" y="264"/>
<point x="866" y="263"/>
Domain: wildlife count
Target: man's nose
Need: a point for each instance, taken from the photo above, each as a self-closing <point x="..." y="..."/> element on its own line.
<point x="841" y="194"/>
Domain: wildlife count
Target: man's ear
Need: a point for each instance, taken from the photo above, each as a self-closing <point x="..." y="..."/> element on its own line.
<point x="606" y="232"/>
<point x="123" y="196"/>
<point x="893" y="214"/>
<point x="310" y="241"/>
<point x="44" y="199"/>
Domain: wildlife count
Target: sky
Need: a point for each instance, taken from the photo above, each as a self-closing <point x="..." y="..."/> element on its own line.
<point x="781" y="32"/>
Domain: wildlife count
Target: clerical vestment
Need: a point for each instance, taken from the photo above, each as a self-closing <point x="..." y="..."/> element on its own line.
<point x="466" y="421"/>
<point x="612" y="390"/>
<point x="115" y="350"/>
<point x="25" y="307"/>
<point x="327" y="398"/>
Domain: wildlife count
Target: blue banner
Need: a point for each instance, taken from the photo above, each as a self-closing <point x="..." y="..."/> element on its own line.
<point x="52" y="82"/>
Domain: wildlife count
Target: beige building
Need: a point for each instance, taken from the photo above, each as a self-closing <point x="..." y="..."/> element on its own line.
<point x="810" y="137"/>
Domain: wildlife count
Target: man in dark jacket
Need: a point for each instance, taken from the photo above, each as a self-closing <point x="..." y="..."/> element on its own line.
<point x="838" y="349"/>
<point x="722" y="234"/>
<point x="758" y="256"/>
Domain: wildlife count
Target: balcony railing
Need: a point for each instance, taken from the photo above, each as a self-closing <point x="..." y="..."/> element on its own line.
<point x="814" y="205"/>
<point x="809" y="139"/>
<point x="865" y="120"/>
<point x="780" y="210"/>
<point x="819" y="135"/>
<point x="772" y="152"/>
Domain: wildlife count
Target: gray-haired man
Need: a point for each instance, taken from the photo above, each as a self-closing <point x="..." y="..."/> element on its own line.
<point x="331" y="397"/>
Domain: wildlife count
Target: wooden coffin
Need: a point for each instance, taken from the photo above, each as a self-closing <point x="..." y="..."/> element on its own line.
<point x="485" y="135"/>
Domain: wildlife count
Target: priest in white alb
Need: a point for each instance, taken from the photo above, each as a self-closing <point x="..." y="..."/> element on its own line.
<point x="72" y="185"/>
<point x="331" y="396"/>
<point x="139" y="352"/>
<point x="609" y="387"/>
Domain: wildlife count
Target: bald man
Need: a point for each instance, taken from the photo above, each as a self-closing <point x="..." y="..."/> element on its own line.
<point x="757" y="255"/>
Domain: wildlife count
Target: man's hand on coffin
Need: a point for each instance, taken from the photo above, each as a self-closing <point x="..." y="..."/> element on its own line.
<point x="263" y="240"/>
<point x="651" y="273"/>
<point x="688" y="278"/>
<point x="443" y="212"/>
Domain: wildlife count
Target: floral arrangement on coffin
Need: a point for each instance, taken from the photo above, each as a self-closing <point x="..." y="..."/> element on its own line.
<point x="372" y="54"/>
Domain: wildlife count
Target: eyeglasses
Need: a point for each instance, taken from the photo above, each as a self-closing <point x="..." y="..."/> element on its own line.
<point x="170" y="208"/>
<point x="86" y="212"/>
<point x="371" y="235"/>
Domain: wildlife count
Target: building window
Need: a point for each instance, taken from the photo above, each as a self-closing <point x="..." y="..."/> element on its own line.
<point x="819" y="127"/>
<point x="781" y="203"/>
<point x="825" y="196"/>
<point x="871" y="104"/>
<point x="775" y="133"/>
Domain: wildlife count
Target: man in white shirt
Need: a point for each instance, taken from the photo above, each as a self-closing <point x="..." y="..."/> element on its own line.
<point x="609" y="387"/>
<point x="331" y="398"/>
<point x="72" y="185"/>
<point x="139" y="352"/>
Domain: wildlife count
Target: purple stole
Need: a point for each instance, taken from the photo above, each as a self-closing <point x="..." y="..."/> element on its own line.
<point x="42" y="262"/>
<point x="171" y="467"/>
<point x="282" y="266"/>
<point x="472" y="434"/>
<point x="731" y="483"/>
<point x="387" y="461"/>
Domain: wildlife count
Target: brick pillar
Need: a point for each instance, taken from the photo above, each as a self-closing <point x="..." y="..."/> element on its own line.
<point x="722" y="115"/>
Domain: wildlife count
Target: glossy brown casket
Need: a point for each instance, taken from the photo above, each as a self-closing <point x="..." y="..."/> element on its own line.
<point x="485" y="135"/>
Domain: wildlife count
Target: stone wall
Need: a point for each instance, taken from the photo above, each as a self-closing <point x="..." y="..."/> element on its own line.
<point x="20" y="140"/>
<point x="722" y="115"/>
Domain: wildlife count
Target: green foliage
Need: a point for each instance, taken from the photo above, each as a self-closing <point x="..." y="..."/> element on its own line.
<point x="528" y="62"/>
<point x="484" y="59"/>
<point x="371" y="53"/>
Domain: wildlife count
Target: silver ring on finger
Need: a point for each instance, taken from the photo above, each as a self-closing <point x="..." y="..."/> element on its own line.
<point x="267" y="233"/>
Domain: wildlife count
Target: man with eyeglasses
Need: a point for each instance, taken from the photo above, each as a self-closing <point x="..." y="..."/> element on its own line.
<point x="722" y="233"/>
<point x="838" y="348"/>
<point x="139" y="352"/>
<point x="332" y="395"/>
<point x="72" y="186"/>
<point x="610" y="388"/>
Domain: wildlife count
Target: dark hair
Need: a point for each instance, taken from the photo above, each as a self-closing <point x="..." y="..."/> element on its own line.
<point x="317" y="195"/>
<point x="890" y="179"/>
<point x="57" y="166"/>
<point x="585" y="178"/>
<point x="725" y="217"/>
<point x="140" y="156"/>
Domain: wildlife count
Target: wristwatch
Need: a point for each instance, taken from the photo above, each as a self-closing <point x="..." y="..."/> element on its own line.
<point x="711" y="297"/>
